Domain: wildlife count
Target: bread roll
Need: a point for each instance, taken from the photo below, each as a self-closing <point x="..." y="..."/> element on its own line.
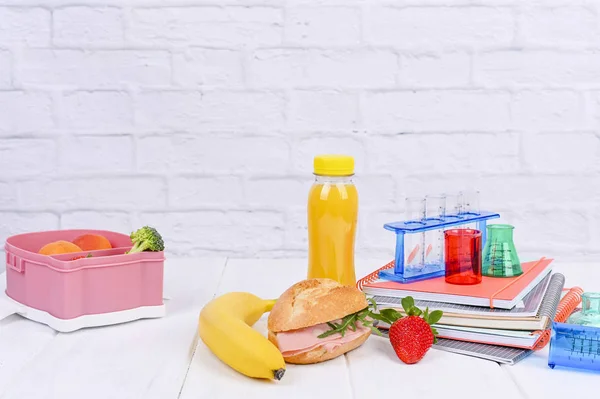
<point x="308" y="305"/>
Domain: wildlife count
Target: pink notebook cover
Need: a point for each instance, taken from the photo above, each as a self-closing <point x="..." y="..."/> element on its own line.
<point x="490" y="287"/>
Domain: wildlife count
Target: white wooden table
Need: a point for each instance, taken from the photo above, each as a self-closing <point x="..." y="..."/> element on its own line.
<point x="163" y="359"/>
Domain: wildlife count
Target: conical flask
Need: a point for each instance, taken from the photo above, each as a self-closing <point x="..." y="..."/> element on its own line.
<point x="589" y="315"/>
<point x="500" y="257"/>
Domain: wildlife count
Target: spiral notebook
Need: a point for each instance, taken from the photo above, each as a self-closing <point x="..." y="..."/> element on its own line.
<point x="534" y="313"/>
<point x="503" y="335"/>
<point x="505" y="354"/>
<point x="513" y="338"/>
<point x="492" y="292"/>
<point x="528" y="307"/>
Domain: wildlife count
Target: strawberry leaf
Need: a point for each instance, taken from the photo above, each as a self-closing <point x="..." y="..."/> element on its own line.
<point x="426" y="315"/>
<point x="435" y="316"/>
<point x="435" y="334"/>
<point x="414" y="311"/>
<point x="391" y="315"/>
<point x="378" y="316"/>
<point x="407" y="303"/>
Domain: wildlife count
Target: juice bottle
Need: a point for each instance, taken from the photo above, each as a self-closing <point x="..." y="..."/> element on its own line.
<point x="332" y="218"/>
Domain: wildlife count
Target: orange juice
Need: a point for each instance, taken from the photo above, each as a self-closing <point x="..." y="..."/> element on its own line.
<point x="332" y="219"/>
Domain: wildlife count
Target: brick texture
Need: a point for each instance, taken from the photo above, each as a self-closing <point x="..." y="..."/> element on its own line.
<point x="440" y="27"/>
<point x="93" y="69"/>
<point x="313" y="26"/>
<point x="88" y="25"/>
<point x="25" y="26"/>
<point x="203" y="118"/>
<point x="84" y="111"/>
<point x="5" y="70"/>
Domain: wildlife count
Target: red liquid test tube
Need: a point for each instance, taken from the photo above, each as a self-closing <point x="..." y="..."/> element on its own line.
<point x="463" y="256"/>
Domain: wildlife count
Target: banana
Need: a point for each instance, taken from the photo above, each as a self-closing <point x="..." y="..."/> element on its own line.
<point x="225" y="327"/>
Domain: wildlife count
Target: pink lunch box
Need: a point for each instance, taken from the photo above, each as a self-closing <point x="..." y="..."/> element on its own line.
<point x="107" y="288"/>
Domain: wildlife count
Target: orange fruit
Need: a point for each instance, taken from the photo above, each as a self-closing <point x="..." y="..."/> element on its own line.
<point x="91" y="242"/>
<point x="59" y="247"/>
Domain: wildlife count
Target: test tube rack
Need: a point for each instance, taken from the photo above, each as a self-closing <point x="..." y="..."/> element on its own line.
<point x="574" y="346"/>
<point x="402" y="274"/>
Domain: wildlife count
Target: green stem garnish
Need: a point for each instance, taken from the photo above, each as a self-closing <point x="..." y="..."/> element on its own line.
<point x="367" y="316"/>
<point x="347" y="321"/>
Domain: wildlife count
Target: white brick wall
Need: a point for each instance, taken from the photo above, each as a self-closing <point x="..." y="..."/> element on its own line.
<point x="88" y="25"/>
<point x="202" y="117"/>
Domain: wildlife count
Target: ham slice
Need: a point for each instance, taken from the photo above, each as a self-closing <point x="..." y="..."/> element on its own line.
<point x="306" y="339"/>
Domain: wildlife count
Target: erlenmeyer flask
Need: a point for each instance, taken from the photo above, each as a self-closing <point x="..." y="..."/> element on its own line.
<point x="500" y="257"/>
<point x="589" y="315"/>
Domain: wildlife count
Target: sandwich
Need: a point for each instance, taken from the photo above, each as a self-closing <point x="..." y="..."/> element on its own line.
<point x="317" y="320"/>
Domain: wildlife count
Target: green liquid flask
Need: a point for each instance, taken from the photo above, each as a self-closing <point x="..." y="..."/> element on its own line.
<point x="500" y="257"/>
<point x="589" y="315"/>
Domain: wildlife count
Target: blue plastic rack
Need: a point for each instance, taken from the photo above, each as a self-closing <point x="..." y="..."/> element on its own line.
<point x="426" y="271"/>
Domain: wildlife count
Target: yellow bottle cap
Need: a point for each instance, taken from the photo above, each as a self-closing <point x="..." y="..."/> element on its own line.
<point x="333" y="165"/>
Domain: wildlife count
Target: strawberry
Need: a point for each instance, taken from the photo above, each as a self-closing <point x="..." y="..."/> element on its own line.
<point x="82" y="257"/>
<point x="412" y="336"/>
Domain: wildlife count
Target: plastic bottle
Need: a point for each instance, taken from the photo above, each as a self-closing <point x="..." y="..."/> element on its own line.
<point x="332" y="218"/>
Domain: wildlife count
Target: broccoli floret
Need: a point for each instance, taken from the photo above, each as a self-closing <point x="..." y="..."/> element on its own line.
<point x="146" y="239"/>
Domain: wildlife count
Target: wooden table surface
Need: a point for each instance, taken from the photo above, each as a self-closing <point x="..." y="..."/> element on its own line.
<point x="163" y="358"/>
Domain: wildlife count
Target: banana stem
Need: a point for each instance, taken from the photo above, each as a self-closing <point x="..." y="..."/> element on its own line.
<point x="278" y="374"/>
<point x="269" y="303"/>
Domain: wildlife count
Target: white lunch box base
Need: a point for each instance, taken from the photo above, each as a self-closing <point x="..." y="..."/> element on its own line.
<point x="85" y="321"/>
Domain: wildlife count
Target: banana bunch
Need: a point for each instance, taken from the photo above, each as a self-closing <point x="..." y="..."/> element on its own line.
<point x="225" y="326"/>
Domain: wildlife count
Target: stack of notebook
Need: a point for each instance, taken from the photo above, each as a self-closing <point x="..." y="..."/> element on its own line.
<point x="501" y="319"/>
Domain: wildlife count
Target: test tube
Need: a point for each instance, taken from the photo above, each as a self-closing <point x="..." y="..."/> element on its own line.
<point x="415" y="209"/>
<point x="470" y="202"/>
<point x="469" y="206"/>
<point x="454" y="206"/>
<point x="414" y="243"/>
<point x="434" y="239"/>
<point x="435" y="206"/>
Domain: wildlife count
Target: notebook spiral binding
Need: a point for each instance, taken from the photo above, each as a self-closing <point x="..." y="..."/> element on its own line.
<point x="373" y="276"/>
<point x="566" y="306"/>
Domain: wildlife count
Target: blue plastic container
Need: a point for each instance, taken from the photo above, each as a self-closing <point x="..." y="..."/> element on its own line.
<point x="574" y="346"/>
